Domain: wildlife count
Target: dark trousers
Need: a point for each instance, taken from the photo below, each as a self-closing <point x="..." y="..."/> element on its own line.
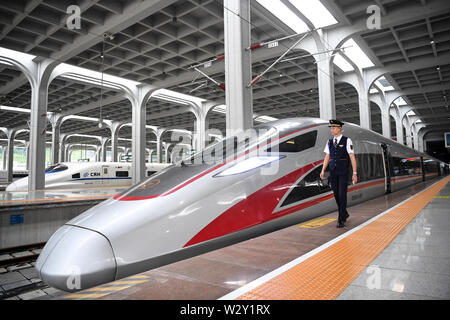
<point x="339" y="185"/>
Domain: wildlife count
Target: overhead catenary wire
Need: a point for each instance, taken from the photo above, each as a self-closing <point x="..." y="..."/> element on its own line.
<point x="257" y="78"/>
<point x="254" y="46"/>
<point x="111" y="37"/>
<point x="220" y="85"/>
<point x="334" y="52"/>
<point x="259" y="45"/>
<point x="264" y="32"/>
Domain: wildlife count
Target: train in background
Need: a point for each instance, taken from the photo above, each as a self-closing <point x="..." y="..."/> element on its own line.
<point x="267" y="183"/>
<point x="75" y="175"/>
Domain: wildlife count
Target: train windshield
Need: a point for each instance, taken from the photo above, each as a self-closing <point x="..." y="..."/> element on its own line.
<point x="234" y="145"/>
<point x="56" y="168"/>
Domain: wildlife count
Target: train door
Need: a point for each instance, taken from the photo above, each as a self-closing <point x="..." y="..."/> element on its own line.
<point x="105" y="175"/>
<point x="387" y="167"/>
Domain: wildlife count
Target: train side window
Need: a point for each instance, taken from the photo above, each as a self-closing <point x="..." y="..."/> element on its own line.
<point x="105" y="170"/>
<point x="56" y="168"/>
<point x="296" y="144"/>
<point x="370" y="167"/>
<point x="121" y="174"/>
<point x="149" y="173"/>
<point x="308" y="187"/>
<point x="76" y="176"/>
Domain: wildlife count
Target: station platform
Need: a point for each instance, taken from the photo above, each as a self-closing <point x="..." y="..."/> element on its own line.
<point x="26" y="198"/>
<point x="392" y="247"/>
<point x="32" y="217"/>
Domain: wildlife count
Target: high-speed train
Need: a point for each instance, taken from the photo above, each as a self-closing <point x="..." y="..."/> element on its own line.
<point x="70" y="175"/>
<point x="263" y="183"/>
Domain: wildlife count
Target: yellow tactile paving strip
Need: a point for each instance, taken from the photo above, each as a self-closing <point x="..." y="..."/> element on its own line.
<point x="316" y="223"/>
<point x="326" y="274"/>
<point x="98" y="292"/>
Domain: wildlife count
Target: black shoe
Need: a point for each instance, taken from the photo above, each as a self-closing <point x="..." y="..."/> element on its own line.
<point x="345" y="219"/>
<point x="340" y="224"/>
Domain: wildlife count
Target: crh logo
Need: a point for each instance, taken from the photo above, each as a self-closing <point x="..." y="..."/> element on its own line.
<point x="86" y="174"/>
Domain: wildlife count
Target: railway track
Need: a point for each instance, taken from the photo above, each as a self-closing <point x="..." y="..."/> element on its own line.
<point x="14" y="259"/>
<point x="22" y="254"/>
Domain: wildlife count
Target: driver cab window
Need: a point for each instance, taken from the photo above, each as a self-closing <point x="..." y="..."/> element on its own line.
<point x="56" y="168"/>
<point x="296" y="144"/>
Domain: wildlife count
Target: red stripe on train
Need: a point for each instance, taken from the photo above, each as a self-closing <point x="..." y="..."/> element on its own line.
<point x="255" y="209"/>
<point x="258" y="207"/>
<point x="127" y="198"/>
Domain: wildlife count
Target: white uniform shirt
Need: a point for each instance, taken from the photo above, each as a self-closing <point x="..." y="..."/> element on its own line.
<point x="349" y="145"/>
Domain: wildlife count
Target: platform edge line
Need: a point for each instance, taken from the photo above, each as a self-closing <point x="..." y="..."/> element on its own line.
<point x="261" y="280"/>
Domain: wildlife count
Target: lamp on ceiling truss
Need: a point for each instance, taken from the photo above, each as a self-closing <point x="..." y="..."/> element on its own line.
<point x="102" y="56"/>
<point x="106" y="36"/>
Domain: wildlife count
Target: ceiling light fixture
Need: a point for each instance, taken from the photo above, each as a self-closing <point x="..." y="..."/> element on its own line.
<point x="284" y="14"/>
<point x="315" y="12"/>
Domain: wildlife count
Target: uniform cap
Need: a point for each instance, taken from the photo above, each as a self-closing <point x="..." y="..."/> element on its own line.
<point x="336" y="123"/>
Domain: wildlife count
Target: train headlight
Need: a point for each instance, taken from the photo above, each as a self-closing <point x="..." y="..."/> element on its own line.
<point x="248" y="164"/>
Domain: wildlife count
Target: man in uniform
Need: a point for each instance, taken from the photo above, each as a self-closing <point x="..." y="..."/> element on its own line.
<point x="339" y="152"/>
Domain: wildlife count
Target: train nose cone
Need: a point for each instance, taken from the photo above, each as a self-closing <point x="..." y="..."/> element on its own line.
<point x="75" y="258"/>
<point x="11" y="187"/>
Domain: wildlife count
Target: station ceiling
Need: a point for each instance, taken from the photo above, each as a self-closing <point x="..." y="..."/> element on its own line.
<point x="158" y="44"/>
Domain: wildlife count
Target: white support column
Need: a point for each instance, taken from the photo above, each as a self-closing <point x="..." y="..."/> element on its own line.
<point x="325" y="78"/>
<point x="166" y="152"/>
<point x="405" y="123"/>
<point x="380" y="100"/>
<point x="114" y="140"/>
<point x="415" y="137"/>
<point x="39" y="99"/>
<point x="238" y="95"/>
<point x="159" y="144"/>
<point x="139" y="99"/>
<point x="365" y="120"/>
<point x="10" y="160"/>
<point x="150" y="156"/>
<point x="138" y="143"/>
<point x="399" y="118"/>
<point x="408" y="132"/>
<point x="414" y="128"/>
<point x="55" y="144"/>
<point x="361" y="83"/>
<point x="55" y="120"/>
<point x="421" y="129"/>
<point x="201" y="127"/>
<point x="28" y="155"/>
<point x="62" y="148"/>
<point x="66" y="153"/>
<point x="103" y="142"/>
<point x="409" y="140"/>
<point x="386" y="122"/>
<point x="97" y="153"/>
<point x="5" y="157"/>
<point x="399" y="131"/>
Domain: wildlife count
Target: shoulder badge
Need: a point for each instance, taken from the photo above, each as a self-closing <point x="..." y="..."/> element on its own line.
<point x="351" y="147"/>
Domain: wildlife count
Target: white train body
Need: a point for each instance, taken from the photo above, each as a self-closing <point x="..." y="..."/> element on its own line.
<point x="76" y="175"/>
<point x="269" y="183"/>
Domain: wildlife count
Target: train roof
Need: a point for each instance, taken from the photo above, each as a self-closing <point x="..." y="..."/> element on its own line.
<point x="289" y="125"/>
